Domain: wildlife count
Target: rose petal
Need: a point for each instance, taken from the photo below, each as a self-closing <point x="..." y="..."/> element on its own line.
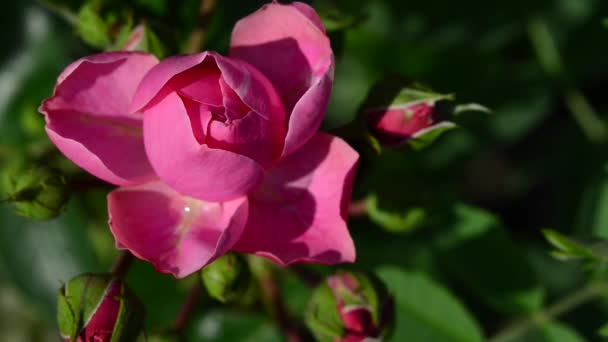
<point x="88" y="116"/>
<point x="177" y="234"/>
<point x="253" y="88"/>
<point x="200" y="83"/>
<point x="156" y="79"/>
<point x="358" y="319"/>
<point x="102" y="322"/>
<point x="299" y="212"/>
<point x="307" y="115"/>
<point x="286" y="44"/>
<point x="190" y="168"/>
<point x="251" y="136"/>
<point x="193" y="77"/>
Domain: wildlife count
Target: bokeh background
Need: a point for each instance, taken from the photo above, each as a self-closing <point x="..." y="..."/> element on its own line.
<point x="458" y="223"/>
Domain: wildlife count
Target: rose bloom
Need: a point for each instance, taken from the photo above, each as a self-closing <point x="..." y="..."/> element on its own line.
<point x="215" y="153"/>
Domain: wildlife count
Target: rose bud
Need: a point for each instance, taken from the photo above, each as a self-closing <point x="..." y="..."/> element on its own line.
<point x="37" y="193"/>
<point x="227" y="278"/>
<point x="395" y="114"/>
<point x="98" y="307"/>
<point x="350" y="306"/>
<point x="142" y="38"/>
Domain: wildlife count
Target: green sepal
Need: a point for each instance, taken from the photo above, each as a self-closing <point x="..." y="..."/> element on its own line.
<point x="78" y="299"/>
<point x="37" y="193"/>
<point x="427" y="136"/>
<point x="148" y="41"/>
<point x="322" y="316"/>
<point x="129" y="322"/>
<point x="227" y="278"/>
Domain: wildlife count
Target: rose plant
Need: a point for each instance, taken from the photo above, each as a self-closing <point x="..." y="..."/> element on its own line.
<point x="215" y="153"/>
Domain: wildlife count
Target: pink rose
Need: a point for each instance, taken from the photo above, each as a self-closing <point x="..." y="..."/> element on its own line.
<point x="395" y="125"/>
<point x="215" y="153"/>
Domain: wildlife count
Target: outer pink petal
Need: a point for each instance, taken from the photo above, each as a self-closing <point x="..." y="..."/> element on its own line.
<point x="177" y="234"/>
<point x="289" y="45"/>
<point x="88" y="116"/>
<point x="192" y="169"/>
<point x="299" y="213"/>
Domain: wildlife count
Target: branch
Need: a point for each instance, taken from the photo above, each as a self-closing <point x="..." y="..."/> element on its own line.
<point x="187" y="308"/>
<point x="122" y="264"/>
<point x="566" y="304"/>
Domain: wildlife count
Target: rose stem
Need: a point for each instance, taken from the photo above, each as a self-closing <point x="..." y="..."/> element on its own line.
<point x="187" y="308"/>
<point x="196" y="41"/>
<point x="272" y="295"/>
<point x="122" y="264"/>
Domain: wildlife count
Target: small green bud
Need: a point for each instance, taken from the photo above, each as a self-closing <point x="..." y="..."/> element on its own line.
<point x="37" y="193"/>
<point x="350" y="306"/>
<point x="98" y="307"/>
<point x="227" y="278"/>
<point x="397" y="112"/>
<point x="142" y="38"/>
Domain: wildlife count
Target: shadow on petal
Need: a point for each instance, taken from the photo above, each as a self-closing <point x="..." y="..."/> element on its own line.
<point x="298" y="214"/>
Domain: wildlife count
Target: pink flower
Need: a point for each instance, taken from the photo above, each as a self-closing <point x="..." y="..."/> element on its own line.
<point x="215" y="153"/>
<point x="397" y="124"/>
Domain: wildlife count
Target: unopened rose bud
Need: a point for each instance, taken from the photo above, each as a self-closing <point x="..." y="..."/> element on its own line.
<point x="409" y="115"/>
<point x="350" y="307"/>
<point x="98" y="307"/>
<point x="37" y="193"/>
<point x="142" y="38"/>
<point x="227" y="278"/>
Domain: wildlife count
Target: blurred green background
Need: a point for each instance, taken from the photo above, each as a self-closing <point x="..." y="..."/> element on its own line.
<point x="455" y="228"/>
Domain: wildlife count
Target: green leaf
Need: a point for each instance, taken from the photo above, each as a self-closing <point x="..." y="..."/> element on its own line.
<point x="567" y="248"/>
<point x="426" y="311"/>
<point x="397" y="222"/>
<point x="476" y="250"/>
<point x="91" y="26"/>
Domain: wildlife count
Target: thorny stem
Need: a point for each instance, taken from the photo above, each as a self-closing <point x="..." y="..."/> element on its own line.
<point x="196" y="41"/>
<point x="550" y="60"/>
<point x="566" y="304"/>
<point x="122" y="264"/>
<point x="187" y="308"/>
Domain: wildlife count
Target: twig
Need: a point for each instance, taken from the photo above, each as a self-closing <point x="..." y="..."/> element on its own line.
<point x="187" y="308"/>
<point x="272" y="295"/>
<point x="551" y="61"/>
<point x="122" y="264"/>
<point x="566" y="304"/>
